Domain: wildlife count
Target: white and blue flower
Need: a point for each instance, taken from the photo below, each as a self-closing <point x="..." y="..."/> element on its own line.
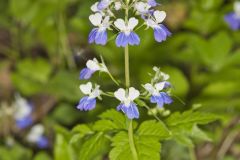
<point x="88" y="102"/>
<point x="160" y="31"/>
<point x="233" y="18"/>
<point x="126" y="35"/>
<point x="152" y="3"/>
<point x="103" y="4"/>
<point x="142" y="8"/>
<point x="127" y="104"/>
<point x="99" y="34"/>
<point x="36" y="136"/>
<point x="157" y="96"/>
<point x="22" y="114"/>
<point x="92" y="67"/>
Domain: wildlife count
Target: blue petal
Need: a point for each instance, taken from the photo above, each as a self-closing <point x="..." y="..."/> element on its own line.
<point x="121" y="40"/>
<point x="152" y="3"/>
<point x="101" y="37"/>
<point x="166" y="98"/>
<point x="92" y="35"/>
<point x="161" y="33"/>
<point x="161" y="99"/>
<point x="24" y="122"/>
<point x="102" y="5"/>
<point x="131" y="111"/>
<point x="86" y="104"/>
<point x="86" y="73"/>
<point x="232" y="21"/>
<point x="133" y="39"/>
<point x="42" y="142"/>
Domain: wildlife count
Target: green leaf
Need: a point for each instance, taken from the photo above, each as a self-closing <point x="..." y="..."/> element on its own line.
<point x="153" y="129"/>
<point x="147" y="147"/>
<point x="190" y="117"/>
<point x="104" y="125"/>
<point x="118" y="118"/>
<point x="62" y="150"/>
<point x="93" y="147"/>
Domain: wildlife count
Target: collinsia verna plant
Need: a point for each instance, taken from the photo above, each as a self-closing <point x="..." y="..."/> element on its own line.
<point x="129" y="99"/>
<point x="104" y="19"/>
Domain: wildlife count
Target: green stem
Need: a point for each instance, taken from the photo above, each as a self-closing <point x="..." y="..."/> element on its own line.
<point x="131" y="141"/>
<point x="127" y="81"/>
<point x="127" y="74"/>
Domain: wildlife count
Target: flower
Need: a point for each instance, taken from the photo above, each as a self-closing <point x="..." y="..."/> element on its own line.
<point x="103" y="4"/>
<point x="88" y="102"/>
<point x="160" y="31"/>
<point x="127" y="105"/>
<point x="233" y="18"/>
<point x="127" y="36"/>
<point x="142" y="8"/>
<point x="152" y="3"/>
<point x="92" y="67"/>
<point x="158" y="97"/>
<point x="117" y="6"/>
<point x="99" y="34"/>
<point x="36" y="135"/>
<point x="22" y="112"/>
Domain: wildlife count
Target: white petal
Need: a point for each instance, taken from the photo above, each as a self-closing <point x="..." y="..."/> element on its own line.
<point x="106" y="22"/>
<point x="120" y="94"/>
<point x="95" y="19"/>
<point x="35" y="133"/>
<point x="133" y="93"/>
<point x="94" y="7"/>
<point x="120" y="24"/>
<point x="132" y="23"/>
<point x="160" y="86"/>
<point x="96" y="92"/>
<point x="117" y="5"/>
<point x="86" y="88"/>
<point x="165" y="76"/>
<point x="159" y="16"/>
<point x="93" y="65"/>
<point x="237" y="8"/>
<point x="22" y="108"/>
<point x="149" y="88"/>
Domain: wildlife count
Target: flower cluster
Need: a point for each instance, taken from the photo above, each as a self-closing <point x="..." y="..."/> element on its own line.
<point x="36" y="136"/>
<point x="157" y="91"/>
<point x="22" y="112"/>
<point x="233" y="18"/>
<point x="104" y="19"/>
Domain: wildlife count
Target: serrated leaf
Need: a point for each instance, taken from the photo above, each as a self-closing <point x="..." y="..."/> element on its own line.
<point x="190" y="117"/>
<point x="153" y="128"/>
<point x="147" y="147"/>
<point x="104" y="125"/>
<point x="94" y="146"/>
<point x="117" y="117"/>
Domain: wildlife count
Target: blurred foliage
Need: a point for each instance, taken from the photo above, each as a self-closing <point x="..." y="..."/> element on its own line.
<point x="43" y="45"/>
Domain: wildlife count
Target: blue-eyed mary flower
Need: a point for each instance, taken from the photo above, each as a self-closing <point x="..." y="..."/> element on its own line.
<point x="22" y="114"/>
<point x="160" y="31"/>
<point x="36" y="136"/>
<point x="152" y="3"/>
<point x="142" y="8"/>
<point x="88" y="102"/>
<point x="157" y="96"/>
<point x="233" y="18"/>
<point x="127" y="35"/>
<point x="92" y="67"/>
<point x="103" y="4"/>
<point x="127" y="104"/>
<point x="99" y="34"/>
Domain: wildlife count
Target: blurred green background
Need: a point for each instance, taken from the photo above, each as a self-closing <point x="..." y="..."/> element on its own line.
<point x="43" y="46"/>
